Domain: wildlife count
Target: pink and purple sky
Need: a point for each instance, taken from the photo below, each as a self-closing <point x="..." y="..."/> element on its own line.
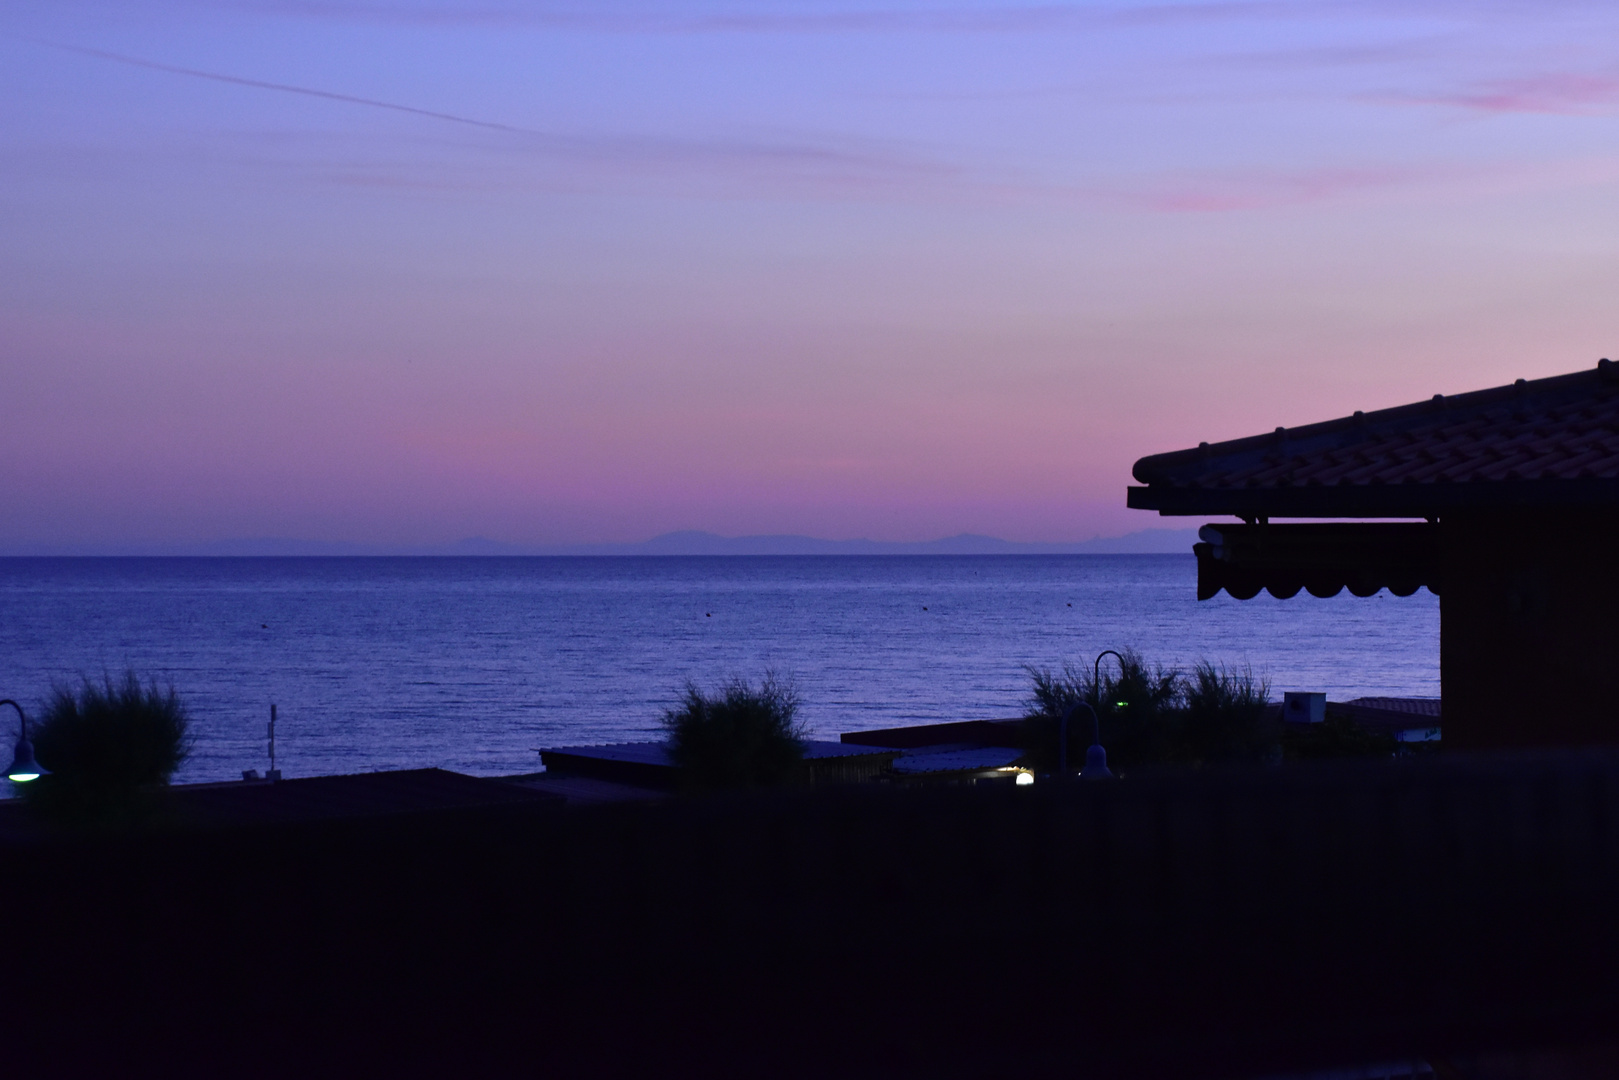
<point x="558" y="273"/>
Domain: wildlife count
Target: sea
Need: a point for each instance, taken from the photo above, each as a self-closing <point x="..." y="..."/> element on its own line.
<point x="474" y="664"/>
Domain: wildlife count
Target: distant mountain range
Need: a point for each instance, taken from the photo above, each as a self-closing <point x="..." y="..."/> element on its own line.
<point x="1143" y="542"/>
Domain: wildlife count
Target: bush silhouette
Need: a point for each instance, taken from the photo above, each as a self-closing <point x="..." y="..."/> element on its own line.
<point x="1137" y="706"/>
<point x="1226" y="715"/>
<point x="1340" y="737"/>
<point x="740" y="737"/>
<point x="1151" y="714"/>
<point x="105" y="745"/>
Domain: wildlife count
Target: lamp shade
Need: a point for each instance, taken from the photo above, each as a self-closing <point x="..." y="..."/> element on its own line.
<point x="23" y="766"/>
<point x="1096" y="764"/>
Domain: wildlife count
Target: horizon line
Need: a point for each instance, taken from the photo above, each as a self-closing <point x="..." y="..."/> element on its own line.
<point x="687" y="542"/>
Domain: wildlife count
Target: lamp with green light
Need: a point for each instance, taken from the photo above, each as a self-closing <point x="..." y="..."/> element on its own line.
<point x="1095" y="756"/>
<point x="23" y="766"/>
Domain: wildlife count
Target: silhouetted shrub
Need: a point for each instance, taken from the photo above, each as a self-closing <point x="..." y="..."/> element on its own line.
<point x="1335" y="737"/>
<point x="105" y="745"/>
<point x="1053" y="695"/>
<point x="1226" y="715"/>
<point x="1055" y="692"/>
<point x="1135" y="704"/>
<point x="1152" y="714"/>
<point x="740" y="737"/>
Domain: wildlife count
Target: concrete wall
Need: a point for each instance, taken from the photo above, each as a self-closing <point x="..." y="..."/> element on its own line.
<point x="1529" y="652"/>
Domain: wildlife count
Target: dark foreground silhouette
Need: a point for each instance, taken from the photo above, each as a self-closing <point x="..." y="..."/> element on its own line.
<point x="1221" y="923"/>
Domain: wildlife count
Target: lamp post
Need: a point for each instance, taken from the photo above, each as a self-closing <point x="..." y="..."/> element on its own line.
<point x="1062" y="738"/>
<point x="1095" y="757"/>
<point x="1096" y="674"/>
<point x="23" y="766"/>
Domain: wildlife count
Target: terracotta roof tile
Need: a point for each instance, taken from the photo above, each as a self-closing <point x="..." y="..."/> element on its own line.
<point x="1564" y="428"/>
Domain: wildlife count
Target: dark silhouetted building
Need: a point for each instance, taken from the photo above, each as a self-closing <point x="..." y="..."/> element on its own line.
<point x="1512" y="501"/>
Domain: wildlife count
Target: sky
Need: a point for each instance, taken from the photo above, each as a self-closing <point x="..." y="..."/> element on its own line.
<point x="594" y="271"/>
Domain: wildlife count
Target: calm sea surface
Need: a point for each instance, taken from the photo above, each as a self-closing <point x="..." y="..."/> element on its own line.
<point x="471" y="664"/>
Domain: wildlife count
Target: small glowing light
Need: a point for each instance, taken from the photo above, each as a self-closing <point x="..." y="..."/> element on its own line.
<point x="1024" y="779"/>
<point x="1120" y="704"/>
<point x="23" y="777"/>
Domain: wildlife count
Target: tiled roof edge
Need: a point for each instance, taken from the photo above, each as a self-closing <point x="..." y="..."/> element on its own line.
<point x="1161" y="468"/>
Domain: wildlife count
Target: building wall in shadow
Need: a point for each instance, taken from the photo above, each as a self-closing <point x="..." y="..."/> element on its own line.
<point x="1529" y="653"/>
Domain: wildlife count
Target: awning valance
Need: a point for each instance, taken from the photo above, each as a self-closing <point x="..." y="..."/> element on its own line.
<point x="1320" y="559"/>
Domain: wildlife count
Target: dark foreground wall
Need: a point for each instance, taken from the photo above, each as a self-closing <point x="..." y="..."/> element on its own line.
<point x="1529" y="651"/>
<point x="1220" y="924"/>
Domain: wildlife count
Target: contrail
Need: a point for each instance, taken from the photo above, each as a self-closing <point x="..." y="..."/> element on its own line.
<point x="286" y="88"/>
<point x="637" y="148"/>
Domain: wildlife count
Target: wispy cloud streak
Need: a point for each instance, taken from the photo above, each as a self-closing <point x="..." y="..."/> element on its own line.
<point x="968" y="17"/>
<point x="652" y="20"/>
<point x="1556" y="93"/>
<point x="1261" y="190"/>
<point x="285" y="88"/>
<point x="844" y="162"/>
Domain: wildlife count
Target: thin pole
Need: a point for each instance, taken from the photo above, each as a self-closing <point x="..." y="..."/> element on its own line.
<point x="1096" y="725"/>
<point x="272" y="736"/>
<point x="20" y="714"/>
<point x="1062" y="744"/>
<point x="1096" y="687"/>
<point x="1062" y="734"/>
<point x="1095" y="757"/>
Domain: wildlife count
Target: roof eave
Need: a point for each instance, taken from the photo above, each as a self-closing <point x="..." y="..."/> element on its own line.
<point x="1372" y="500"/>
<point x="1171" y="467"/>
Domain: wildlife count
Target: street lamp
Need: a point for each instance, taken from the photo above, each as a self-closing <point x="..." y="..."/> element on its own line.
<point x="23" y="766"/>
<point x="1095" y="757"/>
<point x="1096" y="674"/>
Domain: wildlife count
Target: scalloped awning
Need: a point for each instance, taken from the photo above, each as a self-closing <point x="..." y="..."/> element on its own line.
<point x="1322" y="560"/>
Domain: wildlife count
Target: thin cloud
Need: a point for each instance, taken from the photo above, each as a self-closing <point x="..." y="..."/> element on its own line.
<point x="1278" y="190"/>
<point x="1259" y="191"/>
<point x="857" y="169"/>
<point x="1559" y="93"/>
<point x="1317" y="57"/>
<point x="780" y="18"/>
<point x="644" y="150"/>
<point x="285" y="88"/>
<point x="653" y="20"/>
